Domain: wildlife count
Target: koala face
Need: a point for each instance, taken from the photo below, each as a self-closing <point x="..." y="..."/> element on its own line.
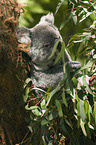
<point x="44" y="38"/>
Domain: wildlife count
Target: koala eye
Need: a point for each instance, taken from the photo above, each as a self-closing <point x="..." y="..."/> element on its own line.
<point x="46" y="45"/>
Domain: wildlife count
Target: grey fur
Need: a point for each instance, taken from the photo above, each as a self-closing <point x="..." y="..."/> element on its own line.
<point x="42" y="38"/>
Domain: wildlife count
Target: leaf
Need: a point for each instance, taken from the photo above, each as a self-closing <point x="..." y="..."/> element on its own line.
<point x="32" y="107"/>
<point x="88" y="65"/>
<point x="59" y="5"/>
<point x="58" y="58"/>
<point x="87" y="112"/>
<point x="94" y="84"/>
<point x="85" y="16"/>
<point x="30" y="128"/>
<point x="38" y="89"/>
<point x="95" y="112"/>
<point x="82" y="125"/>
<point x="68" y="132"/>
<point x="44" y="122"/>
<point x="51" y="95"/>
<point x="61" y="54"/>
<point x="82" y="111"/>
<point x="43" y="103"/>
<point x="75" y="81"/>
<point x="26" y="82"/>
<point x="86" y="83"/>
<point x="63" y="51"/>
<point x="53" y="115"/>
<point x="59" y="107"/>
<point x="36" y="112"/>
<point x="50" y="143"/>
<point x="74" y="17"/>
<point x="25" y="94"/>
<point x="54" y="48"/>
<point x="65" y="21"/>
<point x="78" y="109"/>
<point x="64" y="99"/>
<point x="73" y="1"/>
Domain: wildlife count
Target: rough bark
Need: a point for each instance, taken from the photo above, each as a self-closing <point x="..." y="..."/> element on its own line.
<point x="13" y="127"/>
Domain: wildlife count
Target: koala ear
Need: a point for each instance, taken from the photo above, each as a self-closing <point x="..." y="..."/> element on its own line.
<point x="23" y="35"/>
<point x="49" y="19"/>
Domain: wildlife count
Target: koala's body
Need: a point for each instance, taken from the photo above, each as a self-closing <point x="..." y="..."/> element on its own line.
<point x="42" y="38"/>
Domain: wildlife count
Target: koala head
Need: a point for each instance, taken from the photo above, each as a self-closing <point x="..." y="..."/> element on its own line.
<point x="42" y="38"/>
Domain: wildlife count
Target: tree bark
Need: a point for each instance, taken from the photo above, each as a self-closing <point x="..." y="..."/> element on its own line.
<point x="13" y="127"/>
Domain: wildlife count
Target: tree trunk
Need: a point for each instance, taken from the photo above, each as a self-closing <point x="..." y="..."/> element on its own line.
<point x="13" y="127"/>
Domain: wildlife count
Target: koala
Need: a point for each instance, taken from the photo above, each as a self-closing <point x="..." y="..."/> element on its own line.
<point x="42" y="38"/>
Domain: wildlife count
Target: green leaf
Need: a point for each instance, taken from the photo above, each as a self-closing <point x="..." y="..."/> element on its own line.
<point x="78" y="109"/>
<point x="26" y="82"/>
<point x="63" y="51"/>
<point x="87" y="112"/>
<point x="38" y="89"/>
<point x="61" y="54"/>
<point x="59" y="5"/>
<point x="85" y="83"/>
<point x="50" y="143"/>
<point x="43" y="104"/>
<point x="58" y="58"/>
<point x="26" y="94"/>
<point x="36" y="112"/>
<point x="94" y="84"/>
<point x="64" y="99"/>
<point x="82" y="125"/>
<point x="95" y="112"/>
<point x="82" y="111"/>
<point x="54" y="48"/>
<point x="65" y="21"/>
<point x="44" y="122"/>
<point x="75" y="81"/>
<point x="68" y="132"/>
<point x="85" y="16"/>
<point x="32" y="107"/>
<point x="53" y="115"/>
<point x="51" y="95"/>
<point x="59" y="107"/>
<point x="88" y="65"/>
<point x="74" y="1"/>
<point x="74" y="17"/>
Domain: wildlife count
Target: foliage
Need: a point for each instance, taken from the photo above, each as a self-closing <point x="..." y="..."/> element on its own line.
<point x="64" y="11"/>
<point x="67" y="114"/>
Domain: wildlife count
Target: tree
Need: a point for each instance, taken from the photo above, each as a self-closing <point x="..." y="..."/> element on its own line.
<point x="12" y="74"/>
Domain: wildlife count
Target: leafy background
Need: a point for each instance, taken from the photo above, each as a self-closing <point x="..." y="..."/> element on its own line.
<point x="66" y="115"/>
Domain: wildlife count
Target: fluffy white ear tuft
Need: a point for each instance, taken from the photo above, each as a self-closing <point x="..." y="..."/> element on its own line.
<point x="49" y="19"/>
<point x="23" y="35"/>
